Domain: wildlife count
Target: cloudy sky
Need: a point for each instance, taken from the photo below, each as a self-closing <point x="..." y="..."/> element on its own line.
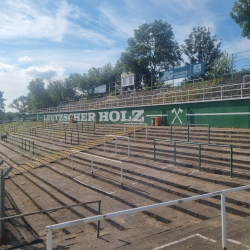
<point x="53" y="38"/>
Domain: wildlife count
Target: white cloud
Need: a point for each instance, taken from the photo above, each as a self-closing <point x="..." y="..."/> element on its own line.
<point x="4" y="68"/>
<point x="45" y="72"/>
<point x="20" y="20"/>
<point x="25" y="59"/>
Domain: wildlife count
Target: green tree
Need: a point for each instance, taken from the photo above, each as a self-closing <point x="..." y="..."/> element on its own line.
<point x="201" y="46"/>
<point x="222" y="65"/>
<point x="20" y="104"/>
<point x="241" y="15"/>
<point x="38" y="96"/>
<point x="152" y="49"/>
<point x="2" y="105"/>
<point x="59" y="90"/>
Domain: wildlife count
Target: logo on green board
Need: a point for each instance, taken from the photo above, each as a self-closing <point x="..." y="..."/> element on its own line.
<point x="177" y="114"/>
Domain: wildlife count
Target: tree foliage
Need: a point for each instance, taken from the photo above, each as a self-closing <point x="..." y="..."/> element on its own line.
<point x="20" y="104"/>
<point x="2" y="105"/>
<point x="152" y="49"/>
<point x="201" y="46"/>
<point x="241" y="15"/>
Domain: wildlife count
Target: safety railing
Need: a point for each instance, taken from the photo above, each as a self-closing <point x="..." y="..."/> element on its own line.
<point x="188" y="125"/>
<point x="74" y="136"/>
<point x="116" y="138"/>
<point x="92" y="162"/>
<point x="33" y="131"/>
<point x="56" y="209"/>
<point x="137" y="124"/>
<point x="188" y="95"/>
<point x="199" y="144"/>
<point x="22" y="143"/>
<point x="222" y="193"/>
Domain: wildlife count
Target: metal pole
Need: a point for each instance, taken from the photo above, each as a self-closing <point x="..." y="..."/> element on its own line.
<point x="1" y="204"/>
<point x="65" y="136"/>
<point x="49" y="239"/>
<point x="232" y="68"/>
<point x="82" y="127"/>
<point x="128" y="147"/>
<point x="199" y="157"/>
<point x="98" y="223"/>
<point x="124" y="129"/>
<point x="78" y="137"/>
<point x="146" y="131"/>
<point x="104" y="143"/>
<point x="208" y="133"/>
<point x="121" y="176"/>
<point x="72" y="167"/>
<point x="29" y="146"/>
<point x="134" y="130"/>
<point x="116" y="145"/>
<point x="71" y="137"/>
<point x="25" y="144"/>
<point x="175" y="153"/>
<point x="231" y="161"/>
<point x="188" y="133"/>
<point x="92" y="167"/>
<point x="171" y="132"/>
<point x="154" y="150"/>
<point x="223" y="222"/>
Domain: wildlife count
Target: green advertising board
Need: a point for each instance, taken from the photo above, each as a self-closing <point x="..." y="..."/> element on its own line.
<point x="220" y="113"/>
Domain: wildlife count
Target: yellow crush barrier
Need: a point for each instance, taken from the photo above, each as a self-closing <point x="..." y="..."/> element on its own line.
<point x="24" y="167"/>
<point x="28" y="164"/>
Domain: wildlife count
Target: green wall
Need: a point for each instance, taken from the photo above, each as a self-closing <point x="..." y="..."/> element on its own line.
<point x="222" y="113"/>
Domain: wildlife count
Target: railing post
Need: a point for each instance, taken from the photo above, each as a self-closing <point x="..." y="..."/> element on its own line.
<point x="29" y="146"/>
<point x="98" y="222"/>
<point x="121" y="176"/>
<point x="241" y="89"/>
<point x="124" y="129"/>
<point x="33" y="148"/>
<point x="65" y="136"/>
<point x="146" y="131"/>
<point x="171" y="132"/>
<point x="25" y="144"/>
<point x="208" y="134"/>
<point x="92" y="167"/>
<point x="78" y="137"/>
<point x="134" y="130"/>
<point x="199" y="157"/>
<point x="71" y="137"/>
<point x="223" y="222"/>
<point x="175" y="153"/>
<point x="94" y="127"/>
<point x="128" y="147"/>
<point x="188" y="133"/>
<point x="49" y="239"/>
<point x="72" y="164"/>
<point x="82" y="127"/>
<point x="116" y="145"/>
<point x="154" y="150"/>
<point x="231" y="161"/>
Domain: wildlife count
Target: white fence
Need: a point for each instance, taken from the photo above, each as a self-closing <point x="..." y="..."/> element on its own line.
<point x="145" y="208"/>
<point x="137" y="124"/>
<point x="92" y="162"/>
<point x="176" y="96"/>
<point x="116" y="137"/>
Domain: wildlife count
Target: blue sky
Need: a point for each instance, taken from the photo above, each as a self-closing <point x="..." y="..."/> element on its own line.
<point x="53" y="38"/>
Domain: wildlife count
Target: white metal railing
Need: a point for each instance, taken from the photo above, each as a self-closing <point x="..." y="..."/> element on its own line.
<point x="175" y="96"/>
<point x="92" y="162"/>
<point x="137" y="124"/>
<point x="116" y="137"/>
<point x="145" y="208"/>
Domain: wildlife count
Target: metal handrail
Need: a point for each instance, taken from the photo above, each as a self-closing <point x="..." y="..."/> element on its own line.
<point x="92" y="162"/>
<point x="190" y="124"/>
<point x="137" y="124"/>
<point x="200" y="144"/>
<point x="116" y="137"/>
<point x="184" y="95"/>
<point x="149" y="207"/>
